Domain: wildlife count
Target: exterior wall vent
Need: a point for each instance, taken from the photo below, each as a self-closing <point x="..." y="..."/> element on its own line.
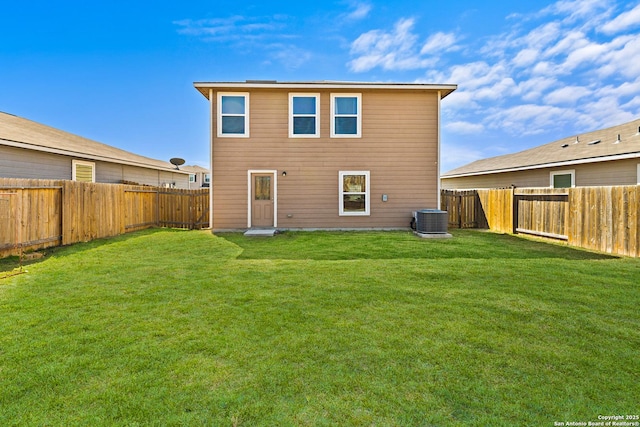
<point x="431" y="221"/>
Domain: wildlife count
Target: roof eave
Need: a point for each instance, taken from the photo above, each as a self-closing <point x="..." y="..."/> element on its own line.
<point x="203" y="87"/>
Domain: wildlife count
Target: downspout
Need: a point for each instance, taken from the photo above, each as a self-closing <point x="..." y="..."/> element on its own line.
<point x="439" y="154"/>
<point x="211" y="116"/>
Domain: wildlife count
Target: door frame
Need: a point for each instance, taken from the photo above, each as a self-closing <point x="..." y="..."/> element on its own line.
<point x="250" y="173"/>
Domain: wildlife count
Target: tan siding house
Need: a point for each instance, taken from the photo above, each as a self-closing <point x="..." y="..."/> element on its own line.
<point x="199" y="177"/>
<point x="33" y="150"/>
<point x="604" y="157"/>
<point x="323" y="155"/>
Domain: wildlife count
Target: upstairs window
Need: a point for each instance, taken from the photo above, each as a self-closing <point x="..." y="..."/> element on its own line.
<point x="233" y="114"/>
<point x="304" y="115"/>
<point x="354" y="193"/>
<point x="346" y="115"/>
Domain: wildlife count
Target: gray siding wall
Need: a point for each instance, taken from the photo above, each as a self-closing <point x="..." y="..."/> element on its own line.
<point x="21" y="163"/>
<point x="617" y="172"/>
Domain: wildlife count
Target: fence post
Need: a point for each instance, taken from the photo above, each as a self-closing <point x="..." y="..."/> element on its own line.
<point x="459" y="196"/>
<point x="514" y="211"/>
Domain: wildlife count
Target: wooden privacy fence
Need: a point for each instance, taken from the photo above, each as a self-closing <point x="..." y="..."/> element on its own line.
<point x="463" y="209"/>
<point x="606" y="219"/>
<point x="36" y="214"/>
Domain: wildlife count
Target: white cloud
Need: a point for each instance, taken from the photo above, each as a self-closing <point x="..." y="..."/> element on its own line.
<point x="617" y="60"/>
<point x="526" y="57"/>
<point x="473" y="75"/>
<point x="633" y="105"/>
<point x="574" y="10"/>
<point x="532" y="90"/>
<point x="569" y="41"/>
<point x="235" y="28"/>
<point x="454" y="155"/>
<point x="439" y="42"/>
<point x="290" y="56"/>
<point x="587" y="54"/>
<point x="394" y="50"/>
<point x="571" y="65"/>
<point x="463" y="127"/>
<point x="543" y="36"/>
<point x="361" y="11"/>
<point x="567" y="95"/>
<point x="458" y="100"/>
<point x="624" y="21"/>
<point x="529" y="119"/>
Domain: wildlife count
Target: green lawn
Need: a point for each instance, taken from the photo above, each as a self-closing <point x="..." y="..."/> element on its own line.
<point x="167" y="327"/>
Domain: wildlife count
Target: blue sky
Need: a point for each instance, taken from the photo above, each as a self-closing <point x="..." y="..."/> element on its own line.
<point x="122" y="72"/>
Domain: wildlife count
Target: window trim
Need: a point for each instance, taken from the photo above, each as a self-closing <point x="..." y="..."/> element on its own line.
<point x="358" y="96"/>
<point x="367" y="193"/>
<point x="206" y="178"/>
<point x="316" y="115"/>
<point x="571" y="172"/>
<point x="245" y="115"/>
<point x="75" y="163"/>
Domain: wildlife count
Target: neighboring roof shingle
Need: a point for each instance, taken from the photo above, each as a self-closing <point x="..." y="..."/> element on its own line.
<point x="598" y="145"/>
<point x="22" y="133"/>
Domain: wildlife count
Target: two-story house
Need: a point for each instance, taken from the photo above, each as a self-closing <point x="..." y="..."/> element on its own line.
<point x="323" y="155"/>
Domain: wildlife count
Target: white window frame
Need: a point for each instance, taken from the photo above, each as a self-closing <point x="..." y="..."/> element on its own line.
<point x="358" y="96"/>
<point x="245" y="115"/>
<point x="207" y="178"/>
<point x="316" y="115"/>
<point x="571" y="172"/>
<point x="367" y="193"/>
<point x="75" y="163"/>
<point x="192" y="177"/>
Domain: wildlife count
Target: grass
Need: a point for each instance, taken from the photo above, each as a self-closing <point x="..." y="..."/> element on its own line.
<point x="168" y="327"/>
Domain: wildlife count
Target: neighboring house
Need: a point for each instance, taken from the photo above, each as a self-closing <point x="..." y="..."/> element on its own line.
<point x="199" y="177"/>
<point x="33" y="150"/>
<point x="604" y="157"/>
<point x="323" y="155"/>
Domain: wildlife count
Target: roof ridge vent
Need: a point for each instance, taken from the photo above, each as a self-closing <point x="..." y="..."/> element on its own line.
<point x="594" y="142"/>
<point x="577" y="139"/>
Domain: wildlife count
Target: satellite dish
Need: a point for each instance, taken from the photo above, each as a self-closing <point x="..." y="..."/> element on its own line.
<point x="177" y="161"/>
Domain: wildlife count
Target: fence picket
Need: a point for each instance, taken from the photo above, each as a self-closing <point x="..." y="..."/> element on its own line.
<point x="605" y="219"/>
<point x="37" y="214"/>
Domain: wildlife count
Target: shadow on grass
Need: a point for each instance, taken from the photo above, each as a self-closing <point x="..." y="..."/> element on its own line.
<point x="10" y="266"/>
<point x="334" y="245"/>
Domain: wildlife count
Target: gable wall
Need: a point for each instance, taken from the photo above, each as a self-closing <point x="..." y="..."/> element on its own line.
<point x="616" y="172"/>
<point x="398" y="146"/>
<point x="30" y="164"/>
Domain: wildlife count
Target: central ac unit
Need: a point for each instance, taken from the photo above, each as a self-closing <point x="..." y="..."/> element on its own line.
<point x="431" y="221"/>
